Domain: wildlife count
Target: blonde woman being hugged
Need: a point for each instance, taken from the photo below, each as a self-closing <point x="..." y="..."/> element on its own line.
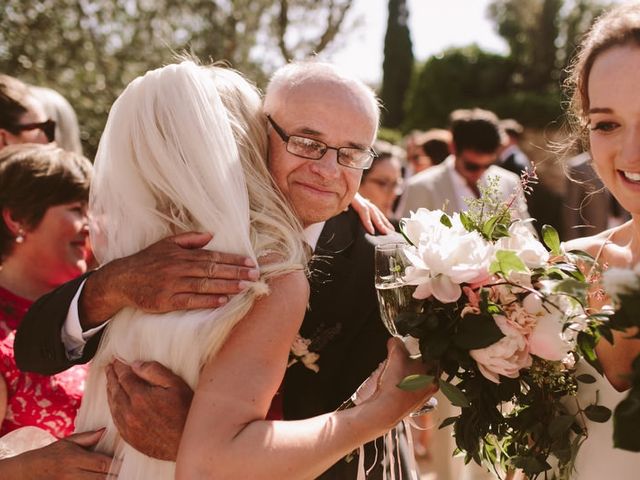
<point x="184" y="150"/>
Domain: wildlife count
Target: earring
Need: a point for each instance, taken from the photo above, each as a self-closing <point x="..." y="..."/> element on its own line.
<point x="20" y="236"/>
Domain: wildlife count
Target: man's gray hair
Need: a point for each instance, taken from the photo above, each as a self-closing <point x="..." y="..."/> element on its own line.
<point x="297" y="73"/>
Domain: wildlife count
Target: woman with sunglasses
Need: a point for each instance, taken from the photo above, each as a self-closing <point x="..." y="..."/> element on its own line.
<point x="22" y="117"/>
<point x="382" y="183"/>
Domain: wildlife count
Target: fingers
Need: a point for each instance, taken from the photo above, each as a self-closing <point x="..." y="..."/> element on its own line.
<point x="381" y="222"/>
<point x="188" y="301"/>
<point x="118" y="396"/>
<point x="86" y="439"/>
<point x="209" y="286"/>
<point x="219" y="257"/>
<point x="155" y="374"/>
<point x="192" y="239"/>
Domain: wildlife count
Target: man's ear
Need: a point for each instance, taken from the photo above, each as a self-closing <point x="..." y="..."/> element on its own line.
<point x="12" y="224"/>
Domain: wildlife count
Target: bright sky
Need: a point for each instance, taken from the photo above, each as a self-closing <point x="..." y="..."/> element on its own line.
<point x="434" y="24"/>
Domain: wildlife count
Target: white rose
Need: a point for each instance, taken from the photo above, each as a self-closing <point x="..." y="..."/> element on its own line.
<point x="444" y="257"/>
<point x="528" y="248"/>
<point x="506" y="357"/>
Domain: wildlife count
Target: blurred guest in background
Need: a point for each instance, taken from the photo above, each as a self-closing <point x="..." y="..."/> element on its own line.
<point x="436" y="144"/>
<point x="43" y="202"/>
<point x="511" y="157"/>
<point x="22" y="117"/>
<point x="382" y="183"/>
<point x="417" y="161"/>
<point x="476" y="140"/>
<point x="58" y="109"/>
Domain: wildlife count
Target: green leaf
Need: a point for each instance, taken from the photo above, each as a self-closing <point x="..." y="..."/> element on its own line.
<point x="466" y="222"/>
<point x="415" y="382"/>
<point x="454" y="394"/>
<point x="445" y="220"/>
<point x="626" y="419"/>
<point x="572" y="287"/>
<point x="551" y="239"/>
<point x="477" y="331"/>
<point x="507" y="261"/>
<point x="586" y="378"/>
<point x="597" y="413"/>
<point x="560" y="425"/>
<point x="530" y="465"/>
<point x="447" y="421"/>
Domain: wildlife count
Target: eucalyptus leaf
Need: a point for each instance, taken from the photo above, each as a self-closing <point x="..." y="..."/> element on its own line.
<point x="551" y="239"/>
<point x="454" y="394"/>
<point x="411" y="383"/>
<point x="597" y="413"/>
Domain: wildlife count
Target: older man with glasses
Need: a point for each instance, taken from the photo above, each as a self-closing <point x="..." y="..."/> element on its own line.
<point x="476" y="141"/>
<point x="321" y="125"/>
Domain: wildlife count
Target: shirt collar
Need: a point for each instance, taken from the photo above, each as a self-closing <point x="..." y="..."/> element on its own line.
<point x="312" y="234"/>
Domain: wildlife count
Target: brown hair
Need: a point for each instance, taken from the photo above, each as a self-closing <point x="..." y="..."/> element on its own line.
<point x="618" y="27"/>
<point x="13" y="97"/>
<point x="36" y="177"/>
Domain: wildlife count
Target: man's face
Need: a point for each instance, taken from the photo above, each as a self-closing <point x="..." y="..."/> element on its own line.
<point x="335" y="115"/>
<point x="472" y="164"/>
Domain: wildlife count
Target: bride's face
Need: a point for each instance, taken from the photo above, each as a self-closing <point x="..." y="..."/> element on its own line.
<point x="614" y="122"/>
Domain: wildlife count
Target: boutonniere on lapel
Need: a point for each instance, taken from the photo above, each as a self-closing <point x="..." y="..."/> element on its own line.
<point x="300" y="353"/>
<point x="307" y="350"/>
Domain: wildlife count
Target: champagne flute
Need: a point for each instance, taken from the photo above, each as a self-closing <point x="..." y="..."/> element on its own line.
<point x="395" y="297"/>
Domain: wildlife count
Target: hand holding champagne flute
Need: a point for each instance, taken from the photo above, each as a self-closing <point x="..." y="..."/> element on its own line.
<point x="395" y="297"/>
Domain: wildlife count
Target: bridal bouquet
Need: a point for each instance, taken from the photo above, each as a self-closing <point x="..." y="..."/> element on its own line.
<point x="504" y="318"/>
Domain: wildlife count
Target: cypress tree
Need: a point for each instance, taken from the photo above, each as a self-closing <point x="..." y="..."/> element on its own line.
<point x="398" y="64"/>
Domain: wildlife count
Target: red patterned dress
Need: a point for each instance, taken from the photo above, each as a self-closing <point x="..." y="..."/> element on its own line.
<point x="48" y="402"/>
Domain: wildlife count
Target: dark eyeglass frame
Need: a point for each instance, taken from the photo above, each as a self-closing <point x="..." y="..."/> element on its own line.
<point x="48" y="127"/>
<point x="286" y="137"/>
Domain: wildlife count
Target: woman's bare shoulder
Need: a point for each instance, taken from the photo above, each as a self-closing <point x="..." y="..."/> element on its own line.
<point x="591" y="244"/>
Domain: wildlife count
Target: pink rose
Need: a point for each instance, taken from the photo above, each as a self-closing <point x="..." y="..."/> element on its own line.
<point x="507" y="356"/>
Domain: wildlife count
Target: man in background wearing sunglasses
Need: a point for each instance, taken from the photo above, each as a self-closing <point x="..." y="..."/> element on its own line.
<point x="476" y="140"/>
<point x="22" y="117"/>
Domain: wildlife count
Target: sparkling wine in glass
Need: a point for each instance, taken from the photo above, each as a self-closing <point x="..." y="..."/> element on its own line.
<point x="395" y="297"/>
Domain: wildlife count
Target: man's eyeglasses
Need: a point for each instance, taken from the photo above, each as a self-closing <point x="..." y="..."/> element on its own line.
<point x="305" y="147"/>
<point x="48" y="127"/>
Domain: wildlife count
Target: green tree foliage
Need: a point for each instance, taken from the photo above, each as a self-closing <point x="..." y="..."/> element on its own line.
<point x="542" y="36"/>
<point x="398" y="63"/>
<point x="88" y="50"/>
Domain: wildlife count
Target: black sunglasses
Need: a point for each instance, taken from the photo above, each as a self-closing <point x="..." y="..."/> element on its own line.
<point x="48" y="127"/>
<point x="474" y="167"/>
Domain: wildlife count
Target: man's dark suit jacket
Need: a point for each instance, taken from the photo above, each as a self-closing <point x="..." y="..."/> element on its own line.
<point x="343" y="323"/>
